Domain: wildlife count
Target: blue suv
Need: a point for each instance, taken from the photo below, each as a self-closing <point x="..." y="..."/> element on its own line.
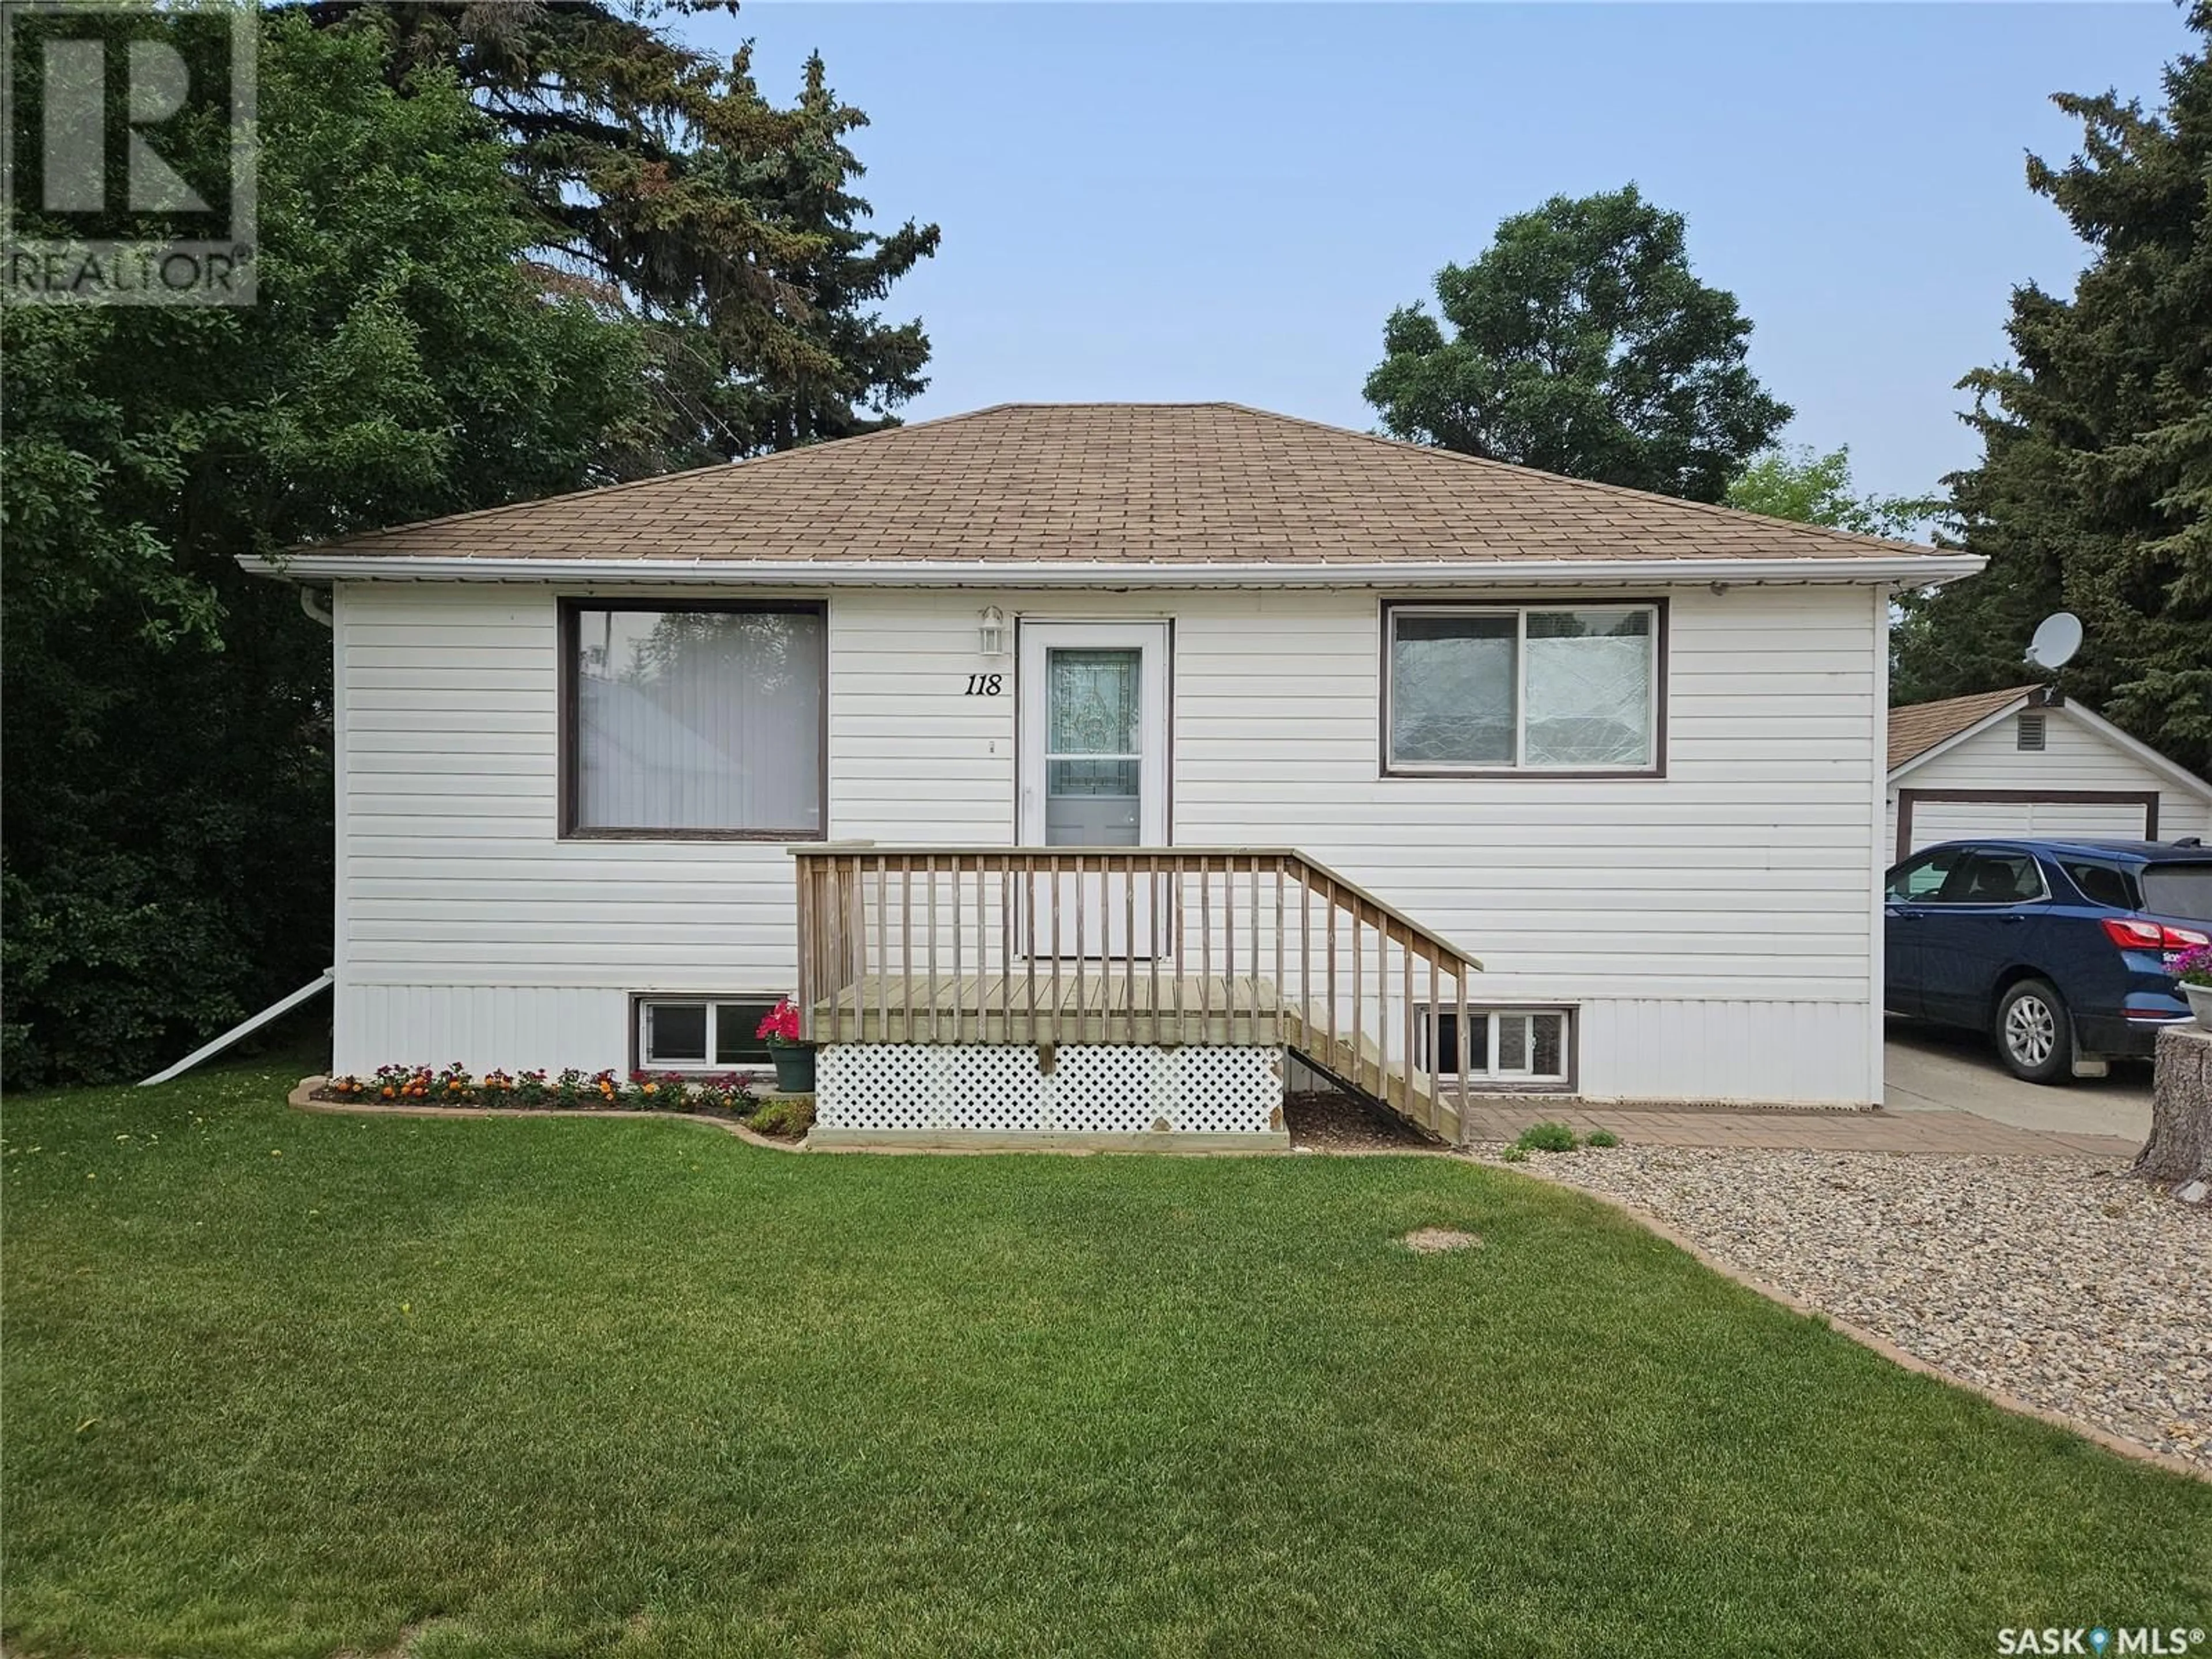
<point x="2060" y="950"/>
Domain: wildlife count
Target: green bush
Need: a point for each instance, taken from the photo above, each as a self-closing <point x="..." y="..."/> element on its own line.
<point x="1546" y="1137"/>
<point x="1602" y="1138"/>
<point x="787" y="1118"/>
<point x="1516" y="1153"/>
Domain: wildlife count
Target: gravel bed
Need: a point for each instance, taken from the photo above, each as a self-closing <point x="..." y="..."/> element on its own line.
<point x="2064" y="1284"/>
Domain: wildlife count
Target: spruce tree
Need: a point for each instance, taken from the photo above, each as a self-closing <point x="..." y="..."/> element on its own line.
<point x="862" y="367"/>
<point x="670" y="189"/>
<point x="2096" y="476"/>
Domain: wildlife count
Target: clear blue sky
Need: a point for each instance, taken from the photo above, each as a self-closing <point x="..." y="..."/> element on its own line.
<point x="1191" y="201"/>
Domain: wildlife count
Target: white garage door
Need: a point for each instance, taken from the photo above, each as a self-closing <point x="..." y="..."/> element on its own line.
<point x="1934" y="821"/>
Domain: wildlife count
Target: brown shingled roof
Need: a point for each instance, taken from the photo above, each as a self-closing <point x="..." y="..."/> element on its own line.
<point x="1918" y="727"/>
<point x="1132" y="482"/>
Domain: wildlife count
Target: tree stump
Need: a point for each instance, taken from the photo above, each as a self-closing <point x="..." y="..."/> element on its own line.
<point x="2179" y="1149"/>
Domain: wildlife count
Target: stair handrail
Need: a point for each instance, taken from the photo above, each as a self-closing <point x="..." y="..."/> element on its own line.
<point x="1305" y="861"/>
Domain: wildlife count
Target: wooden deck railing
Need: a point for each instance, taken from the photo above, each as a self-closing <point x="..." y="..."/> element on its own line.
<point x="1166" y="945"/>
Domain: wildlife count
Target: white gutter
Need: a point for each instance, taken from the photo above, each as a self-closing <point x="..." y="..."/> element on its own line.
<point x="1905" y="570"/>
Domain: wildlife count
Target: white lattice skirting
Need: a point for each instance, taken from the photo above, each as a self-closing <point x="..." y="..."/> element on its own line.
<point x="1091" y="1089"/>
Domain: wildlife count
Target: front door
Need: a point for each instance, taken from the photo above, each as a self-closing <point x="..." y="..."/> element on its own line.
<point x="1093" y="774"/>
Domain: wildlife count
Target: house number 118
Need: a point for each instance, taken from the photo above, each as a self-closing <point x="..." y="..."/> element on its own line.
<point x="985" y="685"/>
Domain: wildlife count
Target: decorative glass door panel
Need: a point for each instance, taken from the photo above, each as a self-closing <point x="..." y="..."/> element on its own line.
<point x="1094" y="757"/>
<point x="1093" y="774"/>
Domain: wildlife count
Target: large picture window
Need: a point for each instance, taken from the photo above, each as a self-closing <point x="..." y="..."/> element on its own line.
<point x="1522" y="688"/>
<point x="694" y="720"/>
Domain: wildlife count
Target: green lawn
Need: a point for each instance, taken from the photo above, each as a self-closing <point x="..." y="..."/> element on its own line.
<point x="281" y="1383"/>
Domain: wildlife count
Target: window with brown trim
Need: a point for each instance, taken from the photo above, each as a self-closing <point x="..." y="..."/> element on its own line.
<point x="702" y="720"/>
<point x="1522" y="688"/>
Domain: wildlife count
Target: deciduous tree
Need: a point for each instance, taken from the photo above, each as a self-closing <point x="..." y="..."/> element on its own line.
<point x="1581" y="343"/>
<point x="1815" y="489"/>
<point x="167" y="850"/>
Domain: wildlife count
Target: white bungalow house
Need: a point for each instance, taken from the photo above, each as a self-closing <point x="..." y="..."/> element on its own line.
<point x="1073" y="764"/>
<point x="2027" y="762"/>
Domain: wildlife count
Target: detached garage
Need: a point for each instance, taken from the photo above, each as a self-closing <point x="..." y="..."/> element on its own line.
<point x="2026" y="762"/>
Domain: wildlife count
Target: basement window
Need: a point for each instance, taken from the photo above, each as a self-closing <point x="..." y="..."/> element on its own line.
<point x="1506" y="1047"/>
<point x="700" y="1034"/>
<point x="2030" y="729"/>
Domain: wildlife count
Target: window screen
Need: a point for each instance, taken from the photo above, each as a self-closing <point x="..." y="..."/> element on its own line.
<point x="675" y="1034"/>
<point x="735" y="1027"/>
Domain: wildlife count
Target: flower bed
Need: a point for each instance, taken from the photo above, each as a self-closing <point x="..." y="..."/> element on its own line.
<point x="723" y="1095"/>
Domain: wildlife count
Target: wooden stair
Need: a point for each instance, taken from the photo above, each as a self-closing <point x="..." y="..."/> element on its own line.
<point x="1355" y="1062"/>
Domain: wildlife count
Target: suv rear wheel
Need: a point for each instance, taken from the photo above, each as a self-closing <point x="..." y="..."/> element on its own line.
<point x="2034" y="1034"/>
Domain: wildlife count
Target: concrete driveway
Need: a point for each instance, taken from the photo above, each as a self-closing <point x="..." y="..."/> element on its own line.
<point x="1929" y="1068"/>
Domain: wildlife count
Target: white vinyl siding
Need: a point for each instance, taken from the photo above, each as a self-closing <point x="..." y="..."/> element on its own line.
<point x="1714" y="927"/>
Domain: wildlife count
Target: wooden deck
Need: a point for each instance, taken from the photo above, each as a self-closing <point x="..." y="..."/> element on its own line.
<point x="1055" y="1004"/>
<point x="1049" y="945"/>
<point x="1110" y="1006"/>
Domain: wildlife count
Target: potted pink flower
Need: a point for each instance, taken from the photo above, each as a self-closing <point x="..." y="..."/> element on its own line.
<point x="2193" y="968"/>
<point x="795" y="1058"/>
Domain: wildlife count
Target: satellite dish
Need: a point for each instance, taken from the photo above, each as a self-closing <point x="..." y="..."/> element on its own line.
<point x="2056" y="639"/>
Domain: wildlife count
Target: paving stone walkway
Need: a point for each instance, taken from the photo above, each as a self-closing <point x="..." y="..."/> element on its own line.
<point x="1956" y="1133"/>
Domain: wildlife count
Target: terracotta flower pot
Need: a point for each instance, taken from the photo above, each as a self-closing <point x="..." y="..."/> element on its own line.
<point x="794" y="1068"/>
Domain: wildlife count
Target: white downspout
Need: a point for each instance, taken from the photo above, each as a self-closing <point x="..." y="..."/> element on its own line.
<point x="315" y="608"/>
<point x="244" y="1028"/>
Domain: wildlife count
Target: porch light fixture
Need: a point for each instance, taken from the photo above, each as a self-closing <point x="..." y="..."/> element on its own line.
<point x="991" y="636"/>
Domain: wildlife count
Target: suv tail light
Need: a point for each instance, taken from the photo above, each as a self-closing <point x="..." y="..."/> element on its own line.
<point x="2133" y="933"/>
